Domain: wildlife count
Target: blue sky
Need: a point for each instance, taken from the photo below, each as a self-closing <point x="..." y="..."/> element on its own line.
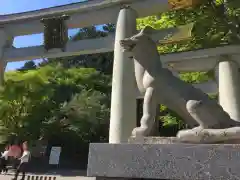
<point x="15" y="6"/>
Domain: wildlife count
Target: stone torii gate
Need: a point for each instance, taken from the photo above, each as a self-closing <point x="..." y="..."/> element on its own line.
<point x="124" y="13"/>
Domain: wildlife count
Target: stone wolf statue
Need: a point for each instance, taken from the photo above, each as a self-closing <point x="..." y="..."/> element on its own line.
<point x="160" y="86"/>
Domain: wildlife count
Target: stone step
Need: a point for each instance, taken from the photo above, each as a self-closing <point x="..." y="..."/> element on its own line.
<point x="40" y="177"/>
<point x="48" y="177"/>
<point x="30" y="176"/>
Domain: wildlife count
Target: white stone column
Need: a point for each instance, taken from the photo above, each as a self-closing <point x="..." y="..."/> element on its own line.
<point x="123" y="101"/>
<point x="3" y="42"/>
<point x="229" y="87"/>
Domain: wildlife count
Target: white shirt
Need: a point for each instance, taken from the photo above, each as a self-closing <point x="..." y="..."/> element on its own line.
<point x="5" y="155"/>
<point x="25" y="157"/>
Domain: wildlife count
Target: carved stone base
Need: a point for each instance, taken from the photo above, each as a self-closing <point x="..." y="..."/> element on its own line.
<point x="154" y="140"/>
<point x="194" y="136"/>
<point x="174" y="140"/>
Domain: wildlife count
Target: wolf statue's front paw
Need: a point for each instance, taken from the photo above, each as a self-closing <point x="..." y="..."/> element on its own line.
<point x="140" y="132"/>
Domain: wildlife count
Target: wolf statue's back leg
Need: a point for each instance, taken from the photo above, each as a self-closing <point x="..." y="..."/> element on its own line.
<point x="209" y="114"/>
<point x="224" y="129"/>
<point x="205" y="111"/>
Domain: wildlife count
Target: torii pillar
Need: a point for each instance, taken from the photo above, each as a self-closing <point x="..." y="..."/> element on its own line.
<point x="5" y="41"/>
<point x="229" y="86"/>
<point x="123" y="101"/>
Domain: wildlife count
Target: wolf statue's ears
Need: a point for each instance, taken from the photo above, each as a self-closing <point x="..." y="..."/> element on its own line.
<point x="148" y="30"/>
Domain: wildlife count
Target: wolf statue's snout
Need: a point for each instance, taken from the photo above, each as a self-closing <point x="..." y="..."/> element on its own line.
<point x="127" y="45"/>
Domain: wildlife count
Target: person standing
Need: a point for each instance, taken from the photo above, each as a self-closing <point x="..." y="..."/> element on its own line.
<point x="4" y="159"/>
<point x="24" y="162"/>
<point x="15" y="151"/>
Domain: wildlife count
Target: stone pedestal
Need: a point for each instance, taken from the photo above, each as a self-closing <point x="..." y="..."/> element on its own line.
<point x="165" y="161"/>
<point x="123" y="101"/>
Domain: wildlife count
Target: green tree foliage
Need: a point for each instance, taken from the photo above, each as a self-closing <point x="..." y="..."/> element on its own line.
<point x="32" y="102"/>
<point x="87" y="110"/>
